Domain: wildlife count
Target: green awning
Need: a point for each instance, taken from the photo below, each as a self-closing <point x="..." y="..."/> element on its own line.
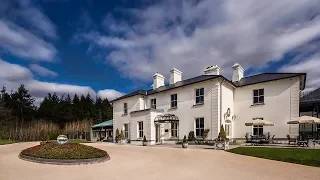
<point x="108" y="123"/>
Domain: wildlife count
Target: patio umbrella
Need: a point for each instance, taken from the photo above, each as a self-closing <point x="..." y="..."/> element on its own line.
<point x="259" y="122"/>
<point x="305" y="120"/>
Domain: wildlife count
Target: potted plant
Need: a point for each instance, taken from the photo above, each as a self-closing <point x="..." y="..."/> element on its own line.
<point x="117" y="137"/>
<point x="191" y="136"/>
<point x="144" y="142"/>
<point x="122" y="137"/>
<point x="222" y="142"/>
<point x="185" y="142"/>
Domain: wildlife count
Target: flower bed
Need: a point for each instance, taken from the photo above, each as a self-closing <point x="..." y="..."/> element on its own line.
<point x="53" y="152"/>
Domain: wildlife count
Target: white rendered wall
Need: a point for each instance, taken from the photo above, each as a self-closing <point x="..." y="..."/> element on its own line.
<point x="281" y="100"/>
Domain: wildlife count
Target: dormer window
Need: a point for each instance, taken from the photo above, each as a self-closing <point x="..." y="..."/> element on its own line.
<point x="154" y="103"/>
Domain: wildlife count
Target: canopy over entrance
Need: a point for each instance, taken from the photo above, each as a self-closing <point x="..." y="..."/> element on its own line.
<point x="166" y="118"/>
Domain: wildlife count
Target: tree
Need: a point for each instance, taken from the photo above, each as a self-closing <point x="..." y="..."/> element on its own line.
<point x="222" y="133"/>
<point x="22" y="103"/>
<point x="107" y="112"/>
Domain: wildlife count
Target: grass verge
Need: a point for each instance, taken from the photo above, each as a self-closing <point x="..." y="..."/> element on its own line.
<point x="6" y="141"/>
<point x="310" y="157"/>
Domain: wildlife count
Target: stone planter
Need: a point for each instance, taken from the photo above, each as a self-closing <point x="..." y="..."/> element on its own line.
<point x="185" y="145"/>
<point x="144" y="143"/>
<point x="222" y="145"/>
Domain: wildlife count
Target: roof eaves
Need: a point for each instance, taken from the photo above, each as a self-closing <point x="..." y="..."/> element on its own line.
<point x="293" y="75"/>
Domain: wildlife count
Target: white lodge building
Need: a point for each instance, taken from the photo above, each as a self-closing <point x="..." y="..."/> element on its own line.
<point x="168" y="112"/>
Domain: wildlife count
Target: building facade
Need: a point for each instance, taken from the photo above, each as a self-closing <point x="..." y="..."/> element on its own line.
<point x="168" y="112"/>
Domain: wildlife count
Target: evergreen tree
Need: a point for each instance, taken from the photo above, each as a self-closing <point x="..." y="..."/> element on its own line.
<point x="22" y="103"/>
<point x="76" y="107"/>
<point x="107" y="112"/>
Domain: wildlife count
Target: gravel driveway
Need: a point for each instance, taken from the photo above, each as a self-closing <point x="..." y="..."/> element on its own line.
<point x="149" y="163"/>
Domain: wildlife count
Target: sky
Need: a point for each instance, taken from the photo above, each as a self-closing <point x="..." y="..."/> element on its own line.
<point x="112" y="47"/>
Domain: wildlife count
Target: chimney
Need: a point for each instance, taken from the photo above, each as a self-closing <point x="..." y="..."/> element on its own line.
<point x="212" y="70"/>
<point x="158" y="80"/>
<point x="238" y="72"/>
<point x="175" y="76"/>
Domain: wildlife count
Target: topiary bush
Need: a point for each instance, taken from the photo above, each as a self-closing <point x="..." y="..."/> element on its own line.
<point x="122" y="135"/>
<point x="191" y="136"/>
<point x="117" y="137"/>
<point x="144" y="139"/>
<point x="222" y="134"/>
<point x="185" y="139"/>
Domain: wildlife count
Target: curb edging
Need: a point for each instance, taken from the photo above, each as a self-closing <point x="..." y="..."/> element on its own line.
<point x="64" y="162"/>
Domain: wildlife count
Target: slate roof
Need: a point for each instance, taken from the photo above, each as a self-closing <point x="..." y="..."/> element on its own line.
<point x="259" y="78"/>
<point x="312" y="96"/>
<point x="264" y="77"/>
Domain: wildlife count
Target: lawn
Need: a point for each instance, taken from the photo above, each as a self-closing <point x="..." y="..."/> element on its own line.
<point x="310" y="157"/>
<point x="3" y="142"/>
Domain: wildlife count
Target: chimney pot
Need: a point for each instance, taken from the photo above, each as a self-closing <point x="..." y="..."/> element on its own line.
<point x="212" y="70"/>
<point x="238" y="72"/>
<point x="158" y="80"/>
<point x="175" y="76"/>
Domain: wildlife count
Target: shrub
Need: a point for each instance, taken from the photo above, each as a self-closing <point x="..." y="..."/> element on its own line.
<point x="117" y="135"/>
<point x="191" y="136"/>
<point x="144" y="139"/>
<point x="222" y="134"/>
<point x="185" y="139"/>
<point x="122" y="135"/>
<point x="205" y="133"/>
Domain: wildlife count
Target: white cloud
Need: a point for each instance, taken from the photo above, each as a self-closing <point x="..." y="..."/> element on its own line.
<point x="13" y="75"/>
<point x="22" y="43"/>
<point x="42" y="71"/>
<point x="110" y="94"/>
<point x="30" y="14"/>
<point x="191" y="35"/>
<point x="308" y="66"/>
<point x="13" y="72"/>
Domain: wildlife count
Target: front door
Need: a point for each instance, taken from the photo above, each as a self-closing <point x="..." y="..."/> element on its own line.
<point x="157" y="133"/>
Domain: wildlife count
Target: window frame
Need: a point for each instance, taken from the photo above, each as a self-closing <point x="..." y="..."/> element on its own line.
<point x="140" y="129"/>
<point x="199" y="94"/>
<point x="257" y="127"/>
<point x="174" y="129"/>
<point x="173" y="101"/>
<point x="201" y="129"/>
<point x="153" y="103"/>
<point x="126" y="130"/>
<point x="260" y="94"/>
<point x="125" y="108"/>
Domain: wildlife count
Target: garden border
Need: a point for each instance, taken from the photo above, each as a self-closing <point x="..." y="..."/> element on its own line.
<point x="64" y="161"/>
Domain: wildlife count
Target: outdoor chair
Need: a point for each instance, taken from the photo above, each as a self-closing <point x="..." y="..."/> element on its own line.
<point x="265" y="140"/>
<point x="272" y="140"/>
<point x="291" y="140"/>
<point x="301" y="141"/>
<point x="248" y="141"/>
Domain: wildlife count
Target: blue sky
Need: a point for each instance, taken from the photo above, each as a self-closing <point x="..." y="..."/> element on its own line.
<point x="109" y="48"/>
